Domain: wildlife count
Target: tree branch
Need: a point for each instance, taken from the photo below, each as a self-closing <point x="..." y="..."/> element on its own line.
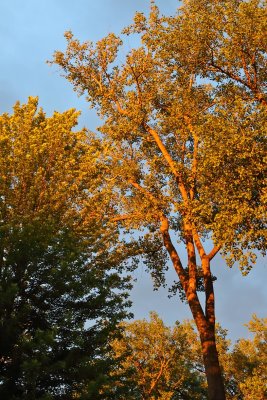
<point x="214" y="251"/>
<point x="191" y="256"/>
<point x="199" y="245"/>
<point x="123" y="217"/>
<point x="164" y="229"/>
<point x="259" y="96"/>
<point x="209" y="292"/>
<point x="163" y="150"/>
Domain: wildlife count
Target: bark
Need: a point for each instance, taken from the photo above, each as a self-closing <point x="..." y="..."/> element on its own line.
<point x="212" y="367"/>
<point x="205" y="321"/>
<point x="206" y="331"/>
<point x="206" y="328"/>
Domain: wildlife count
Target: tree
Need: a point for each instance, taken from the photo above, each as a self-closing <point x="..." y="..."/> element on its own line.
<point x="245" y="365"/>
<point x="61" y="296"/>
<point x="161" y="362"/>
<point x="186" y="142"/>
<point x="158" y="361"/>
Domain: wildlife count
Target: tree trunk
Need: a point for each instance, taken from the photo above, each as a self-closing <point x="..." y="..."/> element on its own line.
<point x="207" y="337"/>
<point x="205" y="321"/>
<point x="213" y="371"/>
<point x="212" y="367"/>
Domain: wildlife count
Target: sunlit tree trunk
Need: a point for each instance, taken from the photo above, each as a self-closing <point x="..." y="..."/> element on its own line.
<point x="205" y="320"/>
<point x="206" y="326"/>
<point x="212" y="366"/>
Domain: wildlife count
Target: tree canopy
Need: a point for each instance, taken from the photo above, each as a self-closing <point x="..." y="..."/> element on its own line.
<point x="158" y="362"/>
<point x="61" y="296"/>
<point x="161" y="362"/>
<point x="184" y="120"/>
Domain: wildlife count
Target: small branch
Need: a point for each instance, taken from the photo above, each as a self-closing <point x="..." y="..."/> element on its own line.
<point x="139" y="91"/>
<point x="154" y="383"/>
<point x="245" y="67"/>
<point x="123" y="217"/>
<point x="191" y="82"/>
<point x="214" y="251"/>
<point x="230" y="74"/>
<point x="120" y="109"/>
<point x="259" y="96"/>
<point x="141" y="189"/>
<point x="255" y="69"/>
<point x="195" y="153"/>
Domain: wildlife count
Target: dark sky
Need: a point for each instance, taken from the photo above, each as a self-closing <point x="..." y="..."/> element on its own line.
<point x="30" y="32"/>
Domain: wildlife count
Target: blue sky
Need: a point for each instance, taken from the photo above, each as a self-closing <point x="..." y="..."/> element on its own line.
<point x="30" y="32"/>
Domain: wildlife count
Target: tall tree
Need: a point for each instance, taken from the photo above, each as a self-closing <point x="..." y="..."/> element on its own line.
<point x="60" y="295"/>
<point x="186" y="142"/>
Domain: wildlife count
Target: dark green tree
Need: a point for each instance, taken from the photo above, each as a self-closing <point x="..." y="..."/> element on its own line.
<point x="61" y="297"/>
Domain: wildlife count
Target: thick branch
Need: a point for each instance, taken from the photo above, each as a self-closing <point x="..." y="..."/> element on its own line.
<point x="181" y="185"/>
<point x="163" y="150"/>
<point x="191" y="296"/>
<point x="170" y="162"/>
<point x="164" y="228"/>
<point x="209" y="292"/>
<point x="191" y="256"/>
<point x="199" y="245"/>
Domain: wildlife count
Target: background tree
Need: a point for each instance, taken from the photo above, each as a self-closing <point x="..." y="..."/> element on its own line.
<point x="61" y="297"/>
<point x="157" y="361"/>
<point x="161" y="362"/>
<point x="245" y="366"/>
<point x="187" y="155"/>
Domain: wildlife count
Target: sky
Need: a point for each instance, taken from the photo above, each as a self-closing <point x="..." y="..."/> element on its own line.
<point x="30" y="32"/>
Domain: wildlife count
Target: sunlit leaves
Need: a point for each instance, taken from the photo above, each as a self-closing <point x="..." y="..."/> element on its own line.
<point x="60" y="293"/>
<point x="184" y="120"/>
<point x="158" y="361"/>
<point x="213" y="132"/>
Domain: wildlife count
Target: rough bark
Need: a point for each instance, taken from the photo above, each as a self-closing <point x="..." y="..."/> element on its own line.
<point x="206" y="326"/>
<point x="205" y="320"/>
<point x="212" y="367"/>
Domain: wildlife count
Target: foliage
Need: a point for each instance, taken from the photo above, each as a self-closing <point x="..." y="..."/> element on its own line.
<point x="163" y="122"/>
<point x="61" y="297"/>
<point x="184" y="128"/>
<point x="246" y="365"/>
<point x="226" y="46"/>
<point x="157" y="361"/>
